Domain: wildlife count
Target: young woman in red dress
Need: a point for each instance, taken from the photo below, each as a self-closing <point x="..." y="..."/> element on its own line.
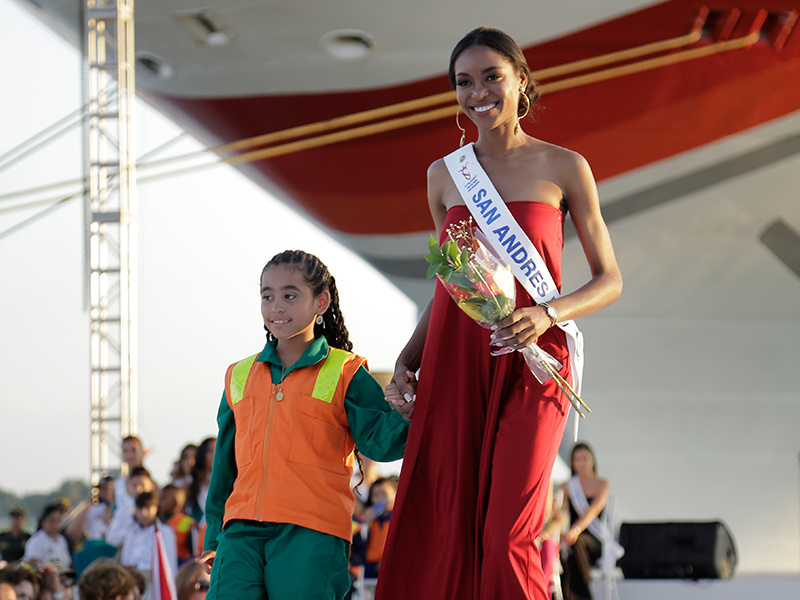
<point x="485" y="432"/>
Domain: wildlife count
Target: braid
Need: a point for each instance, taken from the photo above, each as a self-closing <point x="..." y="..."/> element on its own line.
<point x="360" y="468"/>
<point x="333" y="327"/>
<point x="319" y="279"/>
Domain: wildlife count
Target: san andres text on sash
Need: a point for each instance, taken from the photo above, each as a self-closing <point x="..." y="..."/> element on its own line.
<point x="510" y="243"/>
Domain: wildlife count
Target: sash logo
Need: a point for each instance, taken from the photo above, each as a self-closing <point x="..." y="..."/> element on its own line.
<point x="465" y="172"/>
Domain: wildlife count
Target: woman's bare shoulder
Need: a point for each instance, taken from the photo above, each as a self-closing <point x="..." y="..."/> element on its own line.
<point x="437" y="168"/>
<point x="560" y="156"/>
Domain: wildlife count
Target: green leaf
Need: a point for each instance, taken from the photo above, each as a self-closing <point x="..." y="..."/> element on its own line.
<point x="433" y="246"/>
<point x="452" y="251"/>
<point x="432" y="271"/>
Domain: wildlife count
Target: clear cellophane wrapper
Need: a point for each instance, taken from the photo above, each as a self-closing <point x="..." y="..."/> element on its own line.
<point x="485" y="289"/>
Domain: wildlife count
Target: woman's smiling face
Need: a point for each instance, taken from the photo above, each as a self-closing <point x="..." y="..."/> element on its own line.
<point x="487" y="87"/>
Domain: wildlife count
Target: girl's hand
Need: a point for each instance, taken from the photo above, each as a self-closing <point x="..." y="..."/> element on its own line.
<point x="402" y="403"/>
<point x="207" y="559"/>
<point x="521" y="328"/>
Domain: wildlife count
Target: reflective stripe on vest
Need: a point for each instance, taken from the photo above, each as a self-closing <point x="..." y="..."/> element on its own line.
<point x="183" y="525"/>
<point x="239" y="377"/>
<point x="329" y="375"/>
<point x="324" y="387"/>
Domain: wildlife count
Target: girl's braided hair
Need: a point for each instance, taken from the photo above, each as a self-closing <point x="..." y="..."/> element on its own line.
<point x="319" y="279"/>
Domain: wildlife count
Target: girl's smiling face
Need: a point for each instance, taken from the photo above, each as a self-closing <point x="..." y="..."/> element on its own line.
<point x="288" y="304"/>
<point x="487" y="87"/>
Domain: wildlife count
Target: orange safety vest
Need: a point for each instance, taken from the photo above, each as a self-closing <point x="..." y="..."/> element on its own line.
<point x="376" y="540"/>
<point x="183" y="526"/>
<point x="294" y="456"/>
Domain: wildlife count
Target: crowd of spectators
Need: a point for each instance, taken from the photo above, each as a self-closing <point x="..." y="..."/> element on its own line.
<point x="101" y="548"/>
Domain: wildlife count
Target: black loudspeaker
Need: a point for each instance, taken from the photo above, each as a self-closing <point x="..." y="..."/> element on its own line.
<point x="677" y="551"/>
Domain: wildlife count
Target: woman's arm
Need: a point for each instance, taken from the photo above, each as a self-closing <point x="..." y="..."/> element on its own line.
<point x="76" y="527"/>
<point x="583" y="202"/>
<point x="411" y="356"/>
<point x="525" y="325"/>
<point x="592" y="512"/>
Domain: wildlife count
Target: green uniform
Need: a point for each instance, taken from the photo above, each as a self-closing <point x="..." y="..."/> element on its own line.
<point x="288" y="561"/>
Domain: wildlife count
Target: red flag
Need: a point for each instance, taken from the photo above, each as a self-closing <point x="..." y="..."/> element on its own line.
<point x="162" y="581"/>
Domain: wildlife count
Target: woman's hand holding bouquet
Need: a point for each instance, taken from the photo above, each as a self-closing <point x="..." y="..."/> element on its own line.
<point x="485" y="289"/>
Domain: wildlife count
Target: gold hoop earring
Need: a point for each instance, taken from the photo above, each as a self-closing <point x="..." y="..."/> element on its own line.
<point x="527" y="109"/>
<point x="463" y="131"/>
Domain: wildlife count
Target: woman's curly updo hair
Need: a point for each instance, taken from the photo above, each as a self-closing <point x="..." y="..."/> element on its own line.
<point x="319" y="279"/>
<point x="503" y="44"/>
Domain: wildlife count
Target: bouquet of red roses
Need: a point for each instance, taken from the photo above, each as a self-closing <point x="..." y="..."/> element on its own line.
<point x="485" y="288"/>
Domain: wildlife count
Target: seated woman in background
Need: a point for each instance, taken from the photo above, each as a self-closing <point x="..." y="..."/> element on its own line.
<point x="586" y="496"/>
<point x="48" y="543"/>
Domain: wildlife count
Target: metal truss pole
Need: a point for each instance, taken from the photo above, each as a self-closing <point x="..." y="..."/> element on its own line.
<point x="109" y="202"/>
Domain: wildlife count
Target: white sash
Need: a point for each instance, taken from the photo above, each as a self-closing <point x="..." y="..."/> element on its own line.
<point x="511" y="244"/>
<point x="596" y="527"/>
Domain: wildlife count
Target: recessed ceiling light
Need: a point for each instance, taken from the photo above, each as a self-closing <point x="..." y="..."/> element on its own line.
<point x="206" y="28"/>
<point x="155" y="65"/>
<point x="347" y="44"/>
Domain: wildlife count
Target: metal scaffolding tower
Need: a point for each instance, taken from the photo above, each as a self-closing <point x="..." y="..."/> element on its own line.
<point x="109" y="166"/>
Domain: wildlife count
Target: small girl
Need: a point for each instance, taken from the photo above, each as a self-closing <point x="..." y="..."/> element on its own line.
<point x="279" y="508"/>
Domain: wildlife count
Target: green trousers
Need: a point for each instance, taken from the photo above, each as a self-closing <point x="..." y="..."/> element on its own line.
<point x="278" y="561"/>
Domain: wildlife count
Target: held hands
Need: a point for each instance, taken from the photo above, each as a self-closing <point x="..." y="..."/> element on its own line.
<point x="521" y="328"/>
<point x="207" y="559"/>
<point x="401" y="393"/>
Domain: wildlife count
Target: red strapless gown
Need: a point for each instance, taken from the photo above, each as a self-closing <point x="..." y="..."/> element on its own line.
<point x="480" y="451"/>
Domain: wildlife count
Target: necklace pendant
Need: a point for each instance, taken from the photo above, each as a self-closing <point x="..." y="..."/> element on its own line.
<point x="279" y="395"/>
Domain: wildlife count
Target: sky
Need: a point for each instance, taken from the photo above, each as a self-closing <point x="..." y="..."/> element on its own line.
<point x="202" y="241"/>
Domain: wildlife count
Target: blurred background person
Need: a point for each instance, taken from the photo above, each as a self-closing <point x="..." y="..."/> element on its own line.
<point x="171" y="510"/>
<point x="92" y="516"/>
<point x="183" y="473"/>
<point x="7" y="591"/>
<point x="48" y="543"/>
<point x="192" y="581"/>
<point x="586" y="495"/>
<point x="106" y="579"/>
<point x="367" y="550"/>
<point x="23" y="577"/>
<point x="12" y="541"/>
<point x="132" y="458"/>
<point x="135" y="535"/>
<point x="201" y="475"/>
